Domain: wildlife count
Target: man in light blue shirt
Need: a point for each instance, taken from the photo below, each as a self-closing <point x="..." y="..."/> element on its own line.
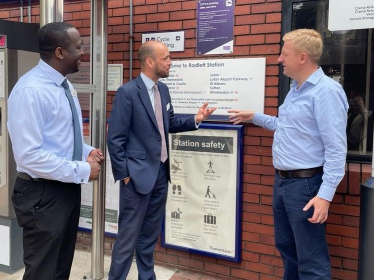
<point x="309" y="154"/>
<point x="45" y="127"/>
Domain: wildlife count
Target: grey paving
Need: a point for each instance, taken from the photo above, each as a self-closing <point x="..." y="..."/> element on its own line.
<point x="82" y="268"/>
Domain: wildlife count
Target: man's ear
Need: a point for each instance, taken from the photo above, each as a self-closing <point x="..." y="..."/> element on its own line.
<point x="149" y="61"/>
<point x="59" y="53"/>
<point x="304" y="58"/>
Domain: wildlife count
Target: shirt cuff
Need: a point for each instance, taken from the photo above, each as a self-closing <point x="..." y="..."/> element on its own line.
<point x="83" y="172"/>
<point x="196" y="124"/>
<point x="326" y="192"/>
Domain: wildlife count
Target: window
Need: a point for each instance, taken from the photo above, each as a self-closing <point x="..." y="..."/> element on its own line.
<point x="348" y="58"/>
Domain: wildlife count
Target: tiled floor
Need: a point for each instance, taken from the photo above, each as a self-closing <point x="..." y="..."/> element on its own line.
<point x="82" y="266"/>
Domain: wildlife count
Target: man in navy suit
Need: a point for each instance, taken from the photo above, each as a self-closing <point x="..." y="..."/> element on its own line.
<point x="139" y="161"/>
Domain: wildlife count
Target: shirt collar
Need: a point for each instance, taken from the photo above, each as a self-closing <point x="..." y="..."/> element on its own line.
<point x="313" y="79"/>
<point x="52" y="73"/>
<point x="147" y="81"/>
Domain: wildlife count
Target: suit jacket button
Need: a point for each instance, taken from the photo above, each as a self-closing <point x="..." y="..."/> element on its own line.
<point x="158" y="154"/>
<point x="159" y="139"/>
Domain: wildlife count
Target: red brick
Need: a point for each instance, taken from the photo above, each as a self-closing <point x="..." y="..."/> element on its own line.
<point x="249" y="19"/>
<point x="350" y="242"/>
<point x="217" y="268"/>
<point x="241" y="30"/>
<point x="267" y="220"/>
<point x="250" y="256"/>
<point x="267" y="161"/>
<point x="350" y="264"/>
<point x="251" y="159"/>
<point x="121" y="12"/>
<point x="268" y="277"/>
<point x="158" y="17"/>
<point x="268" y="181"/>
<point x="272" y="38"/>
<point x="251" y="178"/>
<point x="342" y="230"/>
<point x="115" y="3"/>
<point x="191" y="263"/>
<point x="259" y="189"/>
<point x="354" y="178"/>
<point x="182" y="15"/>
<point x="256" y="150"/>
<point x="260" y="248"/>
<point x="267" y="239"/>
<point x="250" y="236"/>
<point x="258" y="267"/>
<point x="343" y="252"/>
<point x="266" y="8"/>
<point x="261" y="209"/>
<point x="271" y="81"/>
<point x="352" y="200"/>
<point x="252" y="141"/>
<point x="258" y="228"/>
<point x="273" y="17"/>
<point x="149" y="9"/>
<point x="343" y="274"/>
<point x="243" y="2"/>
<point x="189" y="5"/>
<point x="267" y="141"/>
<point x="334" y="240"/>
<point x="243" y="274"/>
<point x="170" y="7"/>
<point x="271" y="102"/>
<point x="252" y="218"/>
<point x="266" y="200"/>
<point x="253" y="198"/>
<point x="351" y="221"/>
<point x="250" y="39"/>
<point x="175" y="25"/>
<point x="336" y="262"/>
<point x="271" y="260"/>
<point x="273" y="70"/>
<point x="241" y="50"/>
<point x="345" y="209"/>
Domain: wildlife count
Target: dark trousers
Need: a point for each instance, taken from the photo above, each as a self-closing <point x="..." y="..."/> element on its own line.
<point x="302" y="245"/>
<point x="139" y="226"/>
<point x="48" y="212"/>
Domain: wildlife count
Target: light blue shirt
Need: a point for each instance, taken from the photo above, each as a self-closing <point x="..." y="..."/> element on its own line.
<point x="40" y="125"/>
<point x="310" y="130"/>
<point x="149" y="85"/>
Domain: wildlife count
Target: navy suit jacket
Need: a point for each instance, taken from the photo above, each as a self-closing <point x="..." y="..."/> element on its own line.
<point x="134" y="141"/>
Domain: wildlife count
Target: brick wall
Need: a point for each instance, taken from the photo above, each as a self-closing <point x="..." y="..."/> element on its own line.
<point x="257" y="33"/>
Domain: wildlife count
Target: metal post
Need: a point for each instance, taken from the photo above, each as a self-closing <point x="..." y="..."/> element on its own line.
<point x="98" y="122"/>
<point x="47" y="12"/>
<point x="366" y="239"/>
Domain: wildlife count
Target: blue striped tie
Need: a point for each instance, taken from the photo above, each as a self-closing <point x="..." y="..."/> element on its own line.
<point x="78" y="143"/>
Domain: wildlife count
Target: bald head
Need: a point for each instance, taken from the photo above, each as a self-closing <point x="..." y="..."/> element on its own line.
<point x="148" y="49"/>
<point x="154" y="60"/>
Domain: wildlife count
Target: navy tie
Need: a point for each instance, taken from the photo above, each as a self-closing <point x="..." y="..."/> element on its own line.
<point x="78" y="143"/>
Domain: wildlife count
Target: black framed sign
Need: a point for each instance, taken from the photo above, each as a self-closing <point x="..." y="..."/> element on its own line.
<point x="203" y="210"/>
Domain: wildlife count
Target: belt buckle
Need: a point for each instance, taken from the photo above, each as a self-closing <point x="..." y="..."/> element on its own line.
<point x="283" y="174"/>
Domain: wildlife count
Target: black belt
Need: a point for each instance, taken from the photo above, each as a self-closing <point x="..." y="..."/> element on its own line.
<point x="300" y="173"/>
<point x="26" y="176"/>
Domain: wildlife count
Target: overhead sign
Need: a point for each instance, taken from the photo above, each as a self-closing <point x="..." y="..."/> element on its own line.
<point x="348" y="15"/>
<point x="215" y="27"/>
<point x="173" y="40"/>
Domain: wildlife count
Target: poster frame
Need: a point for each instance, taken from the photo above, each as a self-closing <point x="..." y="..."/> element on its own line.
<point x="239" y="182"/>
